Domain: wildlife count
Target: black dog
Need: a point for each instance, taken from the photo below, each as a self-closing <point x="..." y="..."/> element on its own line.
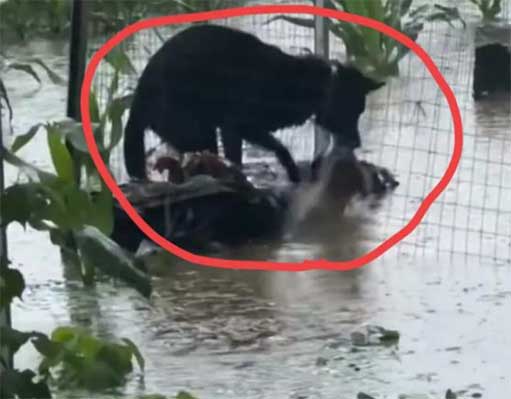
<point x="210" y="77"/>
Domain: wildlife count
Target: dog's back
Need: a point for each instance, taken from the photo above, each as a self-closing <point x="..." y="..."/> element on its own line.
<point x="210" y="76"/>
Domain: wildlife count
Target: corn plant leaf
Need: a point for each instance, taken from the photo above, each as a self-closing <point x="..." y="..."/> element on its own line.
<point x="27" y="68"/>
<point x="23" y="139"/>
<point x="20" y="202"/>
<point x="373" y="37"/>
<point x="106" y="255"/>
<point x="394" y="14"/>
<point x="60" y="155"/>
<point x="94" y="107"/>
<point x="372" y="9"/>
<point x="184" y="395"/>
<point x="353" y="39"/>
<point x="136" y="352"/>
<point x="13" y="339"/>
<point x="116" y="110"/>
<point x="303" y="22"/>
<point x="51" y="350"/>
<point x="74" y="135"/>
<point x="64" y="334"/>
<point x="102" y="215"/>
<point x="56" y="209"/>
<point x="5" y="97"/>
<point x="32" y="172"/>
<point x="56" y="79"/>
<point x="404" y="6"/>
<point x="416" y="12"/>
<point x="184" y="4"/>
<point x="12" y="285"/>
<point x="114" y="85"/>
<point x="20" y="384"/>
<point x="120" y="61"/>
<point x="446" y="14"/>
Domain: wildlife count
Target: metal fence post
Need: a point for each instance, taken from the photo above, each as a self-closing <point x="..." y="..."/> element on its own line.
<point x="321" y="48"/>
<point x="5" y="313"/>
<point x="77" y="56"/>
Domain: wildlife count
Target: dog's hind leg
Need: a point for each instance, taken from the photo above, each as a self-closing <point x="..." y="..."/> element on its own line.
<point x="208" y="140"/>
<point x="232" y="143"/>
<point x="269" y="142"/>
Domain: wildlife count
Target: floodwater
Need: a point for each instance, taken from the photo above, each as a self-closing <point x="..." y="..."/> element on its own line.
<point x="254" y="334"/>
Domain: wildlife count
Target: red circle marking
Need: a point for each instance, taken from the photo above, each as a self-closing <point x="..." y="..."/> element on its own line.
<point x="271" y="9"/>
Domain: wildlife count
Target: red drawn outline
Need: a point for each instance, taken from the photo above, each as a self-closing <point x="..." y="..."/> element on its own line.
<point x="271" y="9"/>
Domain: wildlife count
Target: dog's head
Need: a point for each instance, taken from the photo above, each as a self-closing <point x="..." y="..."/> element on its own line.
<point x="345" y="102"/>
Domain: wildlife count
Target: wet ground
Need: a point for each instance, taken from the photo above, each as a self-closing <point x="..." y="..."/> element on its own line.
<point x="233" y="334"/>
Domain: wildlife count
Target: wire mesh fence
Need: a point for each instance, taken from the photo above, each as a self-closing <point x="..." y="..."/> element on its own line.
<point x="407" y="128"/>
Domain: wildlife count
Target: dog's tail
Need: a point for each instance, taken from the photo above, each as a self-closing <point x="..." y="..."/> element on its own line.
<point x="134" y="149"/>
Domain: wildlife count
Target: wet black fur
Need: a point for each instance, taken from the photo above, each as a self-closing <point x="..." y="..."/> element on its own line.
<point x="208" y="77"/>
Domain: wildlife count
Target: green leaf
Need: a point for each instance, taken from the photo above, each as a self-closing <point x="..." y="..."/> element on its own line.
<point x="20" y="384"/>
<point x="136" y="352"/>
<point x="353" y="39"/>
<point x="51" y="350"/>
<point x="61" y="158"/>
<point x="31" y="171"/>
<point x="13" y="339"/>
<point x="5" y="96"/>
<point x="58" y="206"/>
<point x="12" y="285"/>
<point x="56" y="79"/>
<point x="303" y="22"/>
<point x="375" y="10"/>
<point x="447" y="14"/>
<point x="78" y="205"/>
<point x="105" y="254"/>
<point x="356" y="7"/>
<point x="119" y="60"/>
<point x="23" y="139"/>
<point x="116" y="110"/>
<point x="99" y="376"/>
<point x="114" y="85"/>
<point x="53" y="353"/>
<point x="85" y="361"/>
<point x="65" y="334"/>
<point x="405" y="6"/>
<point x="27" y="68"/>
<point x="93" y="107"/>
<point x="184" y="395"/>
<point x="417" y="12"/>
<point x="116" y="356"/>
<point x="20" y="202"/>
<point x="102" y="215"/>
<point x="74" y="136"/>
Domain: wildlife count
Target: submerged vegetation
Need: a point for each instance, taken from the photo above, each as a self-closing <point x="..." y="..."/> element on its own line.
<point x="29" y="66"/>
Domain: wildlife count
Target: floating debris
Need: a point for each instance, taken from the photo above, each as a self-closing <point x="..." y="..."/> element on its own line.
<point x="374" y="335"/>
<point x="321" y="361"/>
<point x="450" y="394"/>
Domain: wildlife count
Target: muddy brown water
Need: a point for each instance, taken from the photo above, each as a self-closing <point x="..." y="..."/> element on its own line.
<point x="257" y="334"/>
